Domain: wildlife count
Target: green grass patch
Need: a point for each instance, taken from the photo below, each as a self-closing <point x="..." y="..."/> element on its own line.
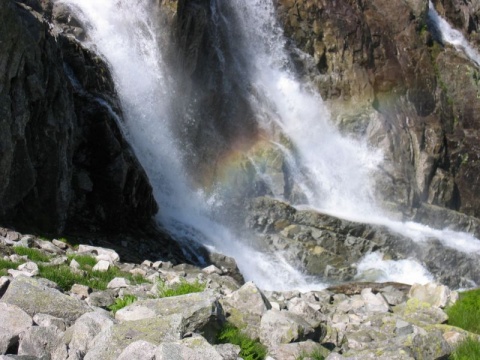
<point x="34" y="255"/>
<point x="468" y="349"/>
<point x="465" y="313"/>
<point x="86" y="262"/>
<point x="250" y="349"/>
<point x="7" y="264"/>
<point x="120" y="303"/>
<point x="182" y="288"/>
<point x="66" y="278"/>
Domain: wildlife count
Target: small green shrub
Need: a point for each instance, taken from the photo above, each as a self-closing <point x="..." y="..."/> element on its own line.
<point x="469" y="349"/>
<point x="182" y="288"/>
<point x="465" y="313"/>
<point x="33" y="254"/>
<point x="250" y="349"/>
<point x="120" y="303"/>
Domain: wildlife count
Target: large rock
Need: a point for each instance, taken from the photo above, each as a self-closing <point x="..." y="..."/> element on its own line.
<point x="33" y="297"/>
<point x="40" y="341"/>
<point x="194" y="348"/>
<point x="283" y="327"/>
<point x="245" y="307"/>
<point x="13" y="322"/>
<point x="201" y="312"/>
<point x="110" y="343"/>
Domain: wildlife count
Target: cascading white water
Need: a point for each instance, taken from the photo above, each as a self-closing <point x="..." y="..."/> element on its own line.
<point x="452" y="36"/>
<point x="124" y="32"/>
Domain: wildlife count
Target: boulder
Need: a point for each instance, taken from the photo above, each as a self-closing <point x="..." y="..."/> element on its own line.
<point x="35" y="298"/>
<point x="283" y="327"/>
<point x="118" y="283"/>
<point x="433" y="294"/>
<point x="13" y="322"/>
<point x="39" y="341"/>
<point x="194" y="348"/>
<point x="109" y="254"/>
<point x="200" y="312"/>
<point x="49" y="321"/>
<point x="102" y="266"/>
<point x="138" y="350"/>
<point x="245" y="307"/>
<point x="111" y="342"/>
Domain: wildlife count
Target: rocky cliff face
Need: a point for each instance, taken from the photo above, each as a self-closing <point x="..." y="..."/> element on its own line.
<point x="386" y="77"/>
<point x="64" y="162"/>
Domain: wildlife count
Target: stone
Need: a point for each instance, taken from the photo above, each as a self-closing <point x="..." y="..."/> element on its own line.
<point x="297" y="350"/>
<point x="111" y="342"/>
<point x="374" y="303"/>
<point x="86" y="328"/>
<point x="101" y="298"/>
<point x="81" y="291"/>
<point x="193" y="348"/>
<point x="59" y="260"/>
<point x="95" y="250"/>
<point x="138" y="272"/>
<point x="200" y="312"/>
<point x="303" y="309"/>
<point x="13" y="322"/>
<point x="403" y="328"/>
<point x="49" y="320"/>
<point x="139" y="350"/>
<point x="228" y="351"/>
<point x="39" y="341"/>
<point x="433" y="294"/>
<point x="245" y="307"/>
<point x="74" y="264"/>
<point x="17" y="273"/>
<point x="48" y="246"/>
<point x="60" y="244"/>
<point x="147" y="263"/>
<point x="118" y="282"/>
<point x="416" y="311"/>
<point x="212" y="269"/>
<point x="29" y="267"/>
<point x="102" y="266"/>
<point x="35" y="298"/>
<point x="157" y="264"/>
<point x="283" y="327"/>
<point x="25" y="241"/>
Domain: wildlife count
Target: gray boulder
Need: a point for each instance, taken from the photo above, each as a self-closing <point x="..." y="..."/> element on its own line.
<point x="39" y="341"/>
<point x="49" y="320"/>
<point x="194" y="348"/>
<point x="138" y="350"/>
<point x="201" y="312"/>
<point x="33" y="297"/>
<point x="13" y="322"/>
<point x="245" y="307"/>
<point x="283" y="327"/>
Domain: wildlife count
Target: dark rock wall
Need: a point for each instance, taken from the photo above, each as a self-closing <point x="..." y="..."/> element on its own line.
<point x="64" y="162"/>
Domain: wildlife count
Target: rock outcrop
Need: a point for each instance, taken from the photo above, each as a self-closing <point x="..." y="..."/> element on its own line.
<point x="386" y="77"/>
<point x="64" y="162"/>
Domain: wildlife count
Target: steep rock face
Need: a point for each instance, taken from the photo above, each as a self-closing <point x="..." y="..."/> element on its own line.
<point x="64" y="161"/>
<point x="386" y="78"/>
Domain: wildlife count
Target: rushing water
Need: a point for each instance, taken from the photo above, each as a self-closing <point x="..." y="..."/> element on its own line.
<point x="339" y="168"/>
<point x="452" y="36"/>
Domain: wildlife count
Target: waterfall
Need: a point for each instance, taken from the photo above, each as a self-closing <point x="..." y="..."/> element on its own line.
<point x="452" y="36"/>
<point x="333" y="171"/>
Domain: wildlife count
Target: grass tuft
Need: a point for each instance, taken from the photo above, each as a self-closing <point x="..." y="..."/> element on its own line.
<point x="7" y="264"/>
<point x="250" y="349"/>
<point x="314" y="355"/>
<point x="465" y="313"/>
<point x="467" y="350"/>
<point x="182" y="288"/>
<point x="87" y="262"/>
<point x="34" y="255"/>
<point x="120" y="303"/>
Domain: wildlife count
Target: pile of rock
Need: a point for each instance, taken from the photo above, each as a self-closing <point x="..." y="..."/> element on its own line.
<point x="360" y="321"/>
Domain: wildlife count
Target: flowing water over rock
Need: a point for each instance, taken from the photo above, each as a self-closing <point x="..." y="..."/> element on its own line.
<point x="294" y="153"/>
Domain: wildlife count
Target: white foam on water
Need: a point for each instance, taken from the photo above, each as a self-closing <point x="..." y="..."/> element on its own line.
<point x="452" y="36"/>
<point x="374" y="268"/>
